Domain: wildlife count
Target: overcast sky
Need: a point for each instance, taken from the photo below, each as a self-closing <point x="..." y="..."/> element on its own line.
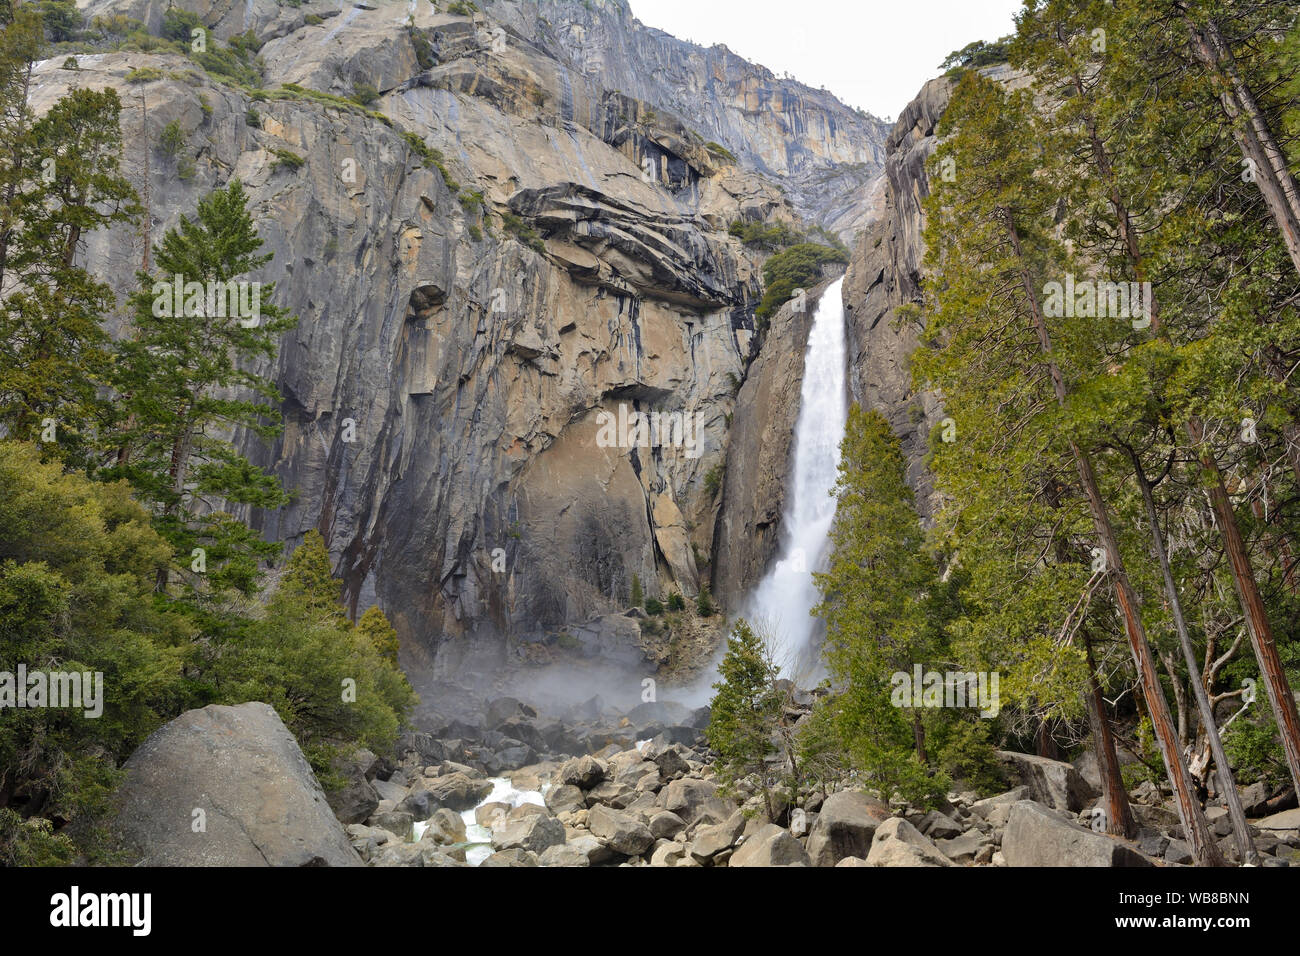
<point x="874" y="54"/>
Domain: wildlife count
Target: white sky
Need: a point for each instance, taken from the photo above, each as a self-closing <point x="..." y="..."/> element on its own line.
<point x="875" y="54"/>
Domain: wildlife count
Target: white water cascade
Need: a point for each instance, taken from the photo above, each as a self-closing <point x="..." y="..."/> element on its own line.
<point x="783" y="600"/>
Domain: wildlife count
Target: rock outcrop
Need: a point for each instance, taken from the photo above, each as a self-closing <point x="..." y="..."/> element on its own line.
<point x="227" y="786"/>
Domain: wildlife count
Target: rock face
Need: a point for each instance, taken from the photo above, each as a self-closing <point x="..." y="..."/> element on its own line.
<point x="240" y="766"/>
<point x="463" y="331"/>
<point x="746" y="536"/>
<point x="884" y="273"/>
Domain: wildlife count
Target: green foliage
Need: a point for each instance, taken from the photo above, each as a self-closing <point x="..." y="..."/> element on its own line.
<point x="287" y="159"/>
<point x="308" y="582"/>
<point x="975" y="55"/>
<point x="523" y="231"/>
<point x="772" y="238"/>
<point x="798" y="267"/>
<point x="179" y="374"/>
<point x="374" y="625"/>
<point x="76" y="595"/>
<point x="171" y="140"/>
<point x="676" y="602"/>
<point x="179" y="24"/>
<point x="717" y="149"/>
<point x="745" y="708"/>
<point x="883" y="606"/>
<point x="462" y="8"/>
<point x="144" y="74"/>
<point x="713" y="479"/>
<point x="364" y="94"/>
<point x="704" y="605"/>
<point x="638" y="596"/>
<point x="654" y="607"/>
<point x="60" y="180"/>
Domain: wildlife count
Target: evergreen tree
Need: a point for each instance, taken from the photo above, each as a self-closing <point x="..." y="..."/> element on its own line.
<point x="374" y="625"/>
<point x="745" y="710"/>
<point x="189" y="378"/>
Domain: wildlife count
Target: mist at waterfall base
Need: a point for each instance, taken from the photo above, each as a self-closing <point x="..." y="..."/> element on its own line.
<point x="781" y="605"/>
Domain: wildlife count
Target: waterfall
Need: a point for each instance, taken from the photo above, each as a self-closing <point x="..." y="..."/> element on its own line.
<point x="783" y="600"/>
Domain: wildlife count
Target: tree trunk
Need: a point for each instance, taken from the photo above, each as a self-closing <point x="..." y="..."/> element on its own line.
<point x="1227" y="785"/>
<point x="1251" y="131"/>
<point x="1119" y="814"/>
<point x="1257" y="623"/>
<point x="1205" y="850"/>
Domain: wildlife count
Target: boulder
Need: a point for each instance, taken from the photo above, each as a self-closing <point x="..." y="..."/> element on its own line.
<point x="358" y="798"/>
<point x="1052" y="783"/>
<point x="565" y="799"/>
<point x="665" y="825"/>
<point x="531" y="831"/>
<point x="844" y="827"/>
<point x="898" y="843"/>
<point x="965" y="847"/>
<point x="564" y="854"/>
<point x="445" y="827"/>
<point x="939" y="826"/>
<point x="1036" y="836"/>
<point x="695" y="800"/>
<point x="709" y="841"/>
<point x="261" y="803"/>
<point x="1282" y="825"/>
<point x="582" y="772"/>
<point x="457" y="790"/>
<point x="619" y="831"/>
<point x="770" y="845"/>
<point x="513" y="857"/>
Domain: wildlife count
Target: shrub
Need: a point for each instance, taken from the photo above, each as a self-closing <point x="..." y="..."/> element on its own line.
<point x="523" y="231"/>
<point x="797" y="267"/>
<point x="654" y="607"/>
<point x="704" y="605"/>
<point x="676" y="602"/>
<point x="288" y="158"/>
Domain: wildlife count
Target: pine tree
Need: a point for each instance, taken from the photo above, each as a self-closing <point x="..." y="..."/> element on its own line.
<point x="59" y="181"/>
<point x="745" y="709"/>
<point x="188" y="378"/>
<point x="308" y="581"/>
<point x="374" y="625"/>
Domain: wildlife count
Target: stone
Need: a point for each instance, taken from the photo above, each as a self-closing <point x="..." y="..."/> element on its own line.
<point x="619" y="831"/>
<point x="445" y="827"/>
<point x="709" y="841"/>
<point x="1036" y="836"/>
<point x="1283" y="825"/>
<point x="1052" y="783"/>
<point x="844" y="827"/>
<point x="939" y="826"/>
<point x="897" y="843"/>
<point x="665" y="825"/>
<point x="563" y="854"/>
<point x="358" y="798"/>
<point x="564" y="799"/>
<point x="965" y="847"/>
<point x="695" y="800"/>
<point x="581" y="772"/>
<point x="262" y="804"/>
<point x="534" y="832"/>
<point x="511" y="857"/>
<point x="457" y="790"/>
<point x="771" y="845"/>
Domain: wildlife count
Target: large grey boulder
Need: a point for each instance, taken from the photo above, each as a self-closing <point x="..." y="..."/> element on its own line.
<point x="1037" y="836"/>
<point x="694" y="800"/>
<point x="898" y="843"/>
<point x="1052" y="783"/>
<point x="581" y="772"/>
<point x="770" y="845"/>
<point x="619" y="831"/>
<point x="227" y="786"/>
<point x="532" y="831"/>
<point x="457" y="791"/>
<point x="844" y="827"/>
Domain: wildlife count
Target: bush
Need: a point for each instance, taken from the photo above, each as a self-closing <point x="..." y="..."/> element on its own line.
<point x="654" y="607"/>
<point x="171" y="140"/>
<point x="522" y="231"/>
<point x="364" y="94"/>
<point x="676" y="602"/>
<point x="179" y="25"/>
<point x="704" y="605"/>
<point x="797" y="267"/>
<point x="287" y="158"/>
